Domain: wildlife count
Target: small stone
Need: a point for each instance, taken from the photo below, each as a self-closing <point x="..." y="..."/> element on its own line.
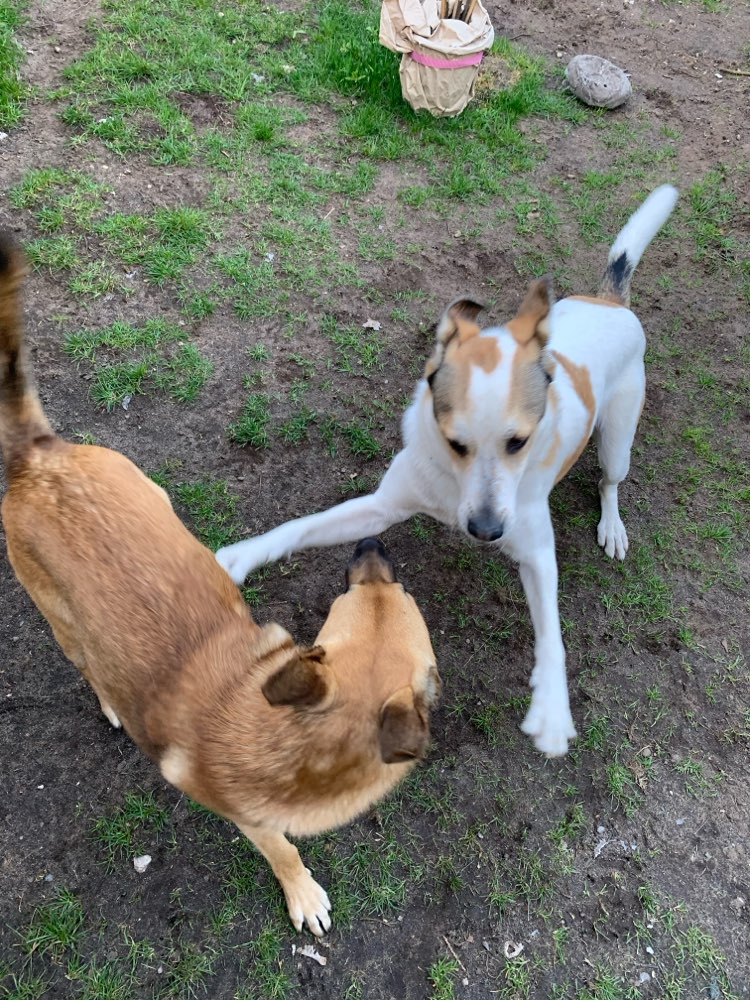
<point x="3" y="136"/>
<point x="737" y="904"/>
<point x="141" y="864"/>
<point x="644" y="978"/>
<point x="597" y="81"/>
<point x="649" y="950"/>
<point x="680" y="821"/>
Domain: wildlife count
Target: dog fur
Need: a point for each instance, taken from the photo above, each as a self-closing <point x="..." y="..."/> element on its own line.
<point x="275" y="737"/>
<point x="501" y="415"/>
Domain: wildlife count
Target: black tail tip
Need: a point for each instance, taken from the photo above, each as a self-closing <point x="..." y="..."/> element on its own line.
<point x="9" y="251"/>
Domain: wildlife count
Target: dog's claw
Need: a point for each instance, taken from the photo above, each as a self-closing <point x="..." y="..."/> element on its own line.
<point x="308" y="903"/>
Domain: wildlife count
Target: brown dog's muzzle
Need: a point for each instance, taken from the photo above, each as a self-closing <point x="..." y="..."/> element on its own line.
<point x="370" y="564"/>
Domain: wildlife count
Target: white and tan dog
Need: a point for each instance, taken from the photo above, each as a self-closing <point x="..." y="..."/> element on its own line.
<point x="501" y="415"/>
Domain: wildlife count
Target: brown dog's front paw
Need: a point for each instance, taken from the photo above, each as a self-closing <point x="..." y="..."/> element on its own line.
<point x="308" y="903"/>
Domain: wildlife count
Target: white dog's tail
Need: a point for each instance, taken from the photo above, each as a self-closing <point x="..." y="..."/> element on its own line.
<point x="629" y="246"/>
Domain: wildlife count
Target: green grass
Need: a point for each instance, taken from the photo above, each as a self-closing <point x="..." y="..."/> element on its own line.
<point x="252" y="426"/>
<point x="57" y="253"/>
<point x="25" y="986"/>
<point x="55" y="927"/>
<point x="713" y="211"/>
<point x="59" y="198"/>
<point x="211" y="507"/>
<point x="442" y="975"/>
<point x="163" y="244"/>
<point x="129" y="829"/>
<point x="158" y="354"/>
<point x="12" y="90"/>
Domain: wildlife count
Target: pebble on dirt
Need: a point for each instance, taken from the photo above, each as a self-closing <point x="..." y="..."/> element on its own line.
<point x="597" y="81"/>
<point x="141" y="864"/>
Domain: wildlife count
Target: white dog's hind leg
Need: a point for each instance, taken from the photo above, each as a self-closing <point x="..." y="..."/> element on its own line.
<point x="548" y="720"/>
<point x="394" y="501"/>
<point x="614" y="437"/>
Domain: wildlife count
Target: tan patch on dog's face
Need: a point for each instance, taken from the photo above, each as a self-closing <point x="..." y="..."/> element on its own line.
<point x="528" y="388"/>
<point x="484" y="352"/>
<point x="450" y="383"/>
<point x="581" y="378"/>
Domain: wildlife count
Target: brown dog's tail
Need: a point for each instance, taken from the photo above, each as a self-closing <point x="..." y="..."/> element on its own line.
<point x="22" y="420"/>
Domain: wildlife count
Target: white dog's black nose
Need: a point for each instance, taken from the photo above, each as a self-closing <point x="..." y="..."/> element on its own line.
<point x="485" y="527"/>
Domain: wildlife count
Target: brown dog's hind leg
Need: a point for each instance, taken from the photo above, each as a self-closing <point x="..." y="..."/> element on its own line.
<point x="57" y="613"/>
<point x="306" y="901"/>
<point x="75" y="654"/>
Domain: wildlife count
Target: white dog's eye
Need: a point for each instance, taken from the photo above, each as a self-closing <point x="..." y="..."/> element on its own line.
<point x="460" y="449"/>
<point x="514" y="444"/>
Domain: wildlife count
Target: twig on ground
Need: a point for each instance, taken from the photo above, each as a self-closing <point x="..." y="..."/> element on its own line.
<point x="452" y="951"/>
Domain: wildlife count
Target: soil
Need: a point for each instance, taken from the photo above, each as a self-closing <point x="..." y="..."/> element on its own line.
<point x="62" y="765"/>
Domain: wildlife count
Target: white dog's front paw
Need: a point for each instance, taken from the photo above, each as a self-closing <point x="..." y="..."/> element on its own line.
<point x="308" y="903"/>
<point x="612" y="536"/>
<point x="242" y="558"/>
<point x="549" y="722"/>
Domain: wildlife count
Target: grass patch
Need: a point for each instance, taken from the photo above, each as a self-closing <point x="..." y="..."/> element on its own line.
<point x="713" y="214"/>
<point x="58" y="198"/>
<point x="442" y="976"/>
<point x="130" y="828"/>
<point x="158" y="353"/>
<point x="252" y="426"/>
<point x="12" y="90"/>
<point x="211" y="508"/>
<point x="55" y="927"/>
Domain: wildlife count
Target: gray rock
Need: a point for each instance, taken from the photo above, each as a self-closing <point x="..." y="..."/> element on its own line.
<point x="597" y="81"/>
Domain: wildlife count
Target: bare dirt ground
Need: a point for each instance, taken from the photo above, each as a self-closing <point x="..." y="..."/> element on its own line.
<point x="623" y="870"/>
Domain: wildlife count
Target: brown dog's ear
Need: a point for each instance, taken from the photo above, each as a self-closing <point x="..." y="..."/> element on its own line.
<point x="459" y="319"/>
<point x="403" y="728"/>
<point x="301" y="682"/>
<point x="531" y="319"/>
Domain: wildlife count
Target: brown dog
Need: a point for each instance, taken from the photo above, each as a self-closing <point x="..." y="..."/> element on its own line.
<point x="277" y="738"/>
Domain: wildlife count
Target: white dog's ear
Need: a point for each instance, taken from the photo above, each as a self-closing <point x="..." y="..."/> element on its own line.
<point x="531" y="321"/>
<point x="302" y="682"/>
<point x="458" y="320"/>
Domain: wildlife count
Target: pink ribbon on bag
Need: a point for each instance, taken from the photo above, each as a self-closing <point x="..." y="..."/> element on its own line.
<point x="434" y="63"/>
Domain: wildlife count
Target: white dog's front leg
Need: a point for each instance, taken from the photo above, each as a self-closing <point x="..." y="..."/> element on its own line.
<point x="393" y="501"/>
<point x="548" y="720"/>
